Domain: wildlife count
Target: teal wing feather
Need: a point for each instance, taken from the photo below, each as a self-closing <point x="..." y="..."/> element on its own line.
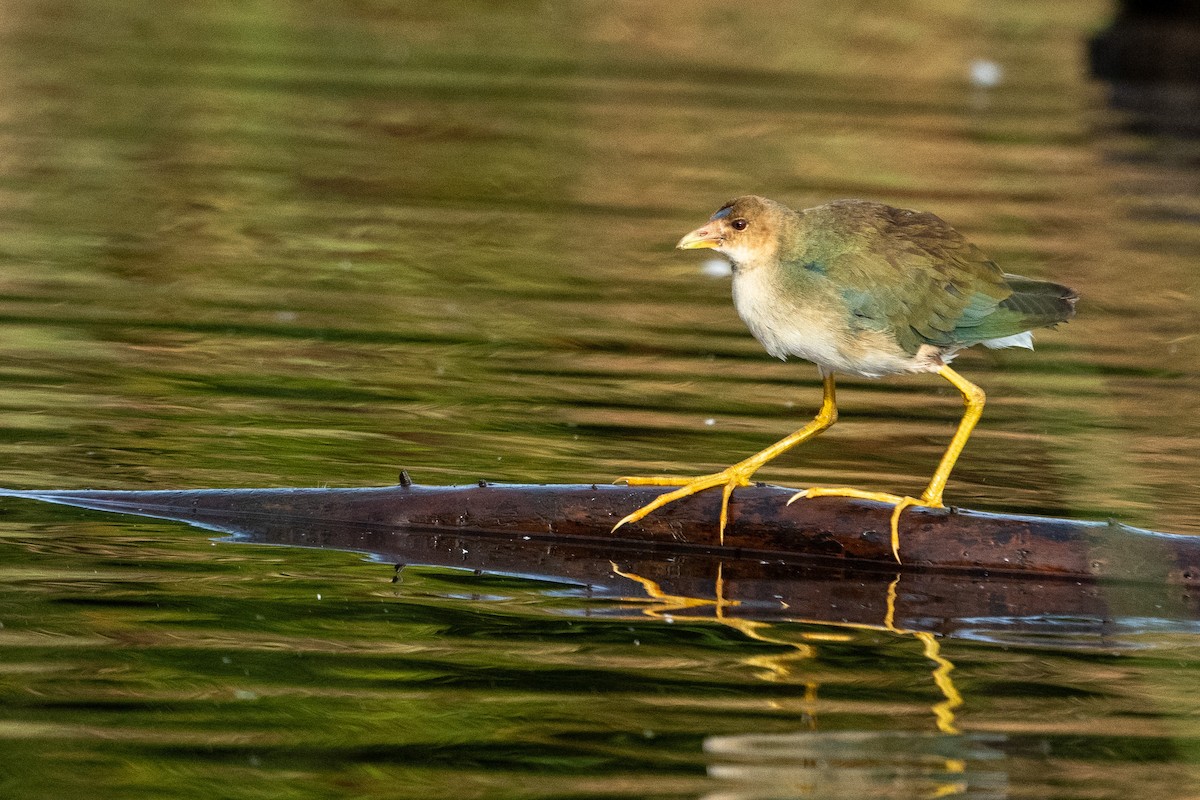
<point x="912" y="275"/>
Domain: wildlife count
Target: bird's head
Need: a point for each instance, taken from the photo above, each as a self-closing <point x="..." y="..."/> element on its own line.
<point x="746" y="230"/>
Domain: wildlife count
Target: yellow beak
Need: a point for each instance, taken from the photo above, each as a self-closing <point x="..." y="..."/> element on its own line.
<point x="706" y="236"/>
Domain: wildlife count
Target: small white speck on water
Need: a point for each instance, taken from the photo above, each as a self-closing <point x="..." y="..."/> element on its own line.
<point x="716" y="268"/>
<point x="710" y="421"/>
<point x="637" y="642"/>
<point x="318" y="595"/>
<point x="986" y="74"/>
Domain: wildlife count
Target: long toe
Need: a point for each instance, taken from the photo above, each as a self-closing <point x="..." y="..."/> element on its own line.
<point x="730" y="478"/>
<point x="900" y="503"/>
<point x="695" y="485"/>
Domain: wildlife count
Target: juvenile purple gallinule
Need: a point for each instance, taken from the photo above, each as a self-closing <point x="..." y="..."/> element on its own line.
<point x="864" y="289"/>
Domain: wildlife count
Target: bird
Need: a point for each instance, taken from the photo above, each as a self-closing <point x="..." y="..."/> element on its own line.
<point x="865" y="289"/>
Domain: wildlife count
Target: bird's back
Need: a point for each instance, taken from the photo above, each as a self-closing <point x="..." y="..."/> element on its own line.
<point x="913" y="276"/>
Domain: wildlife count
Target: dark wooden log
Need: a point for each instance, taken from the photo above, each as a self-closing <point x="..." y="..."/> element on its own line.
<point x="825" y="561"/>
<point x="829" y="531"/>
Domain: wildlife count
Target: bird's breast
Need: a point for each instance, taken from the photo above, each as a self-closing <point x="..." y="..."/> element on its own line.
<point x="812" y="322"/>
<point x="788" y="321"/>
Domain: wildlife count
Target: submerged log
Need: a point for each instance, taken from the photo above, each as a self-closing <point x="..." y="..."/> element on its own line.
<point x="824" y="561"/>
<point x="830" y="531"/>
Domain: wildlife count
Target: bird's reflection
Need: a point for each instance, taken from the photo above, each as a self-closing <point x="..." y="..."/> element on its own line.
<point x="933" y="763"/>
<point x="783" y="667"/>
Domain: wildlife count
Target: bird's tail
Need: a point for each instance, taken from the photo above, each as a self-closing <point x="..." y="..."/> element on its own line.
<point x="1039" y="303"/>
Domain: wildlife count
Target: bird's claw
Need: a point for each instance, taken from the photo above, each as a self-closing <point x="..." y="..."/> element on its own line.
<point x="896" y="500"/>
<point x="730" y="479"/>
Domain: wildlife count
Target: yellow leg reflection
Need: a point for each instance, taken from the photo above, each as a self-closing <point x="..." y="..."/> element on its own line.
<point x="775" y="668"/>
<point x="943" y="711"/>
<point x="667" y="602"/>
<point x="779" y="668"/>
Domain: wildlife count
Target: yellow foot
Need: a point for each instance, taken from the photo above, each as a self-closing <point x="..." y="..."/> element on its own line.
<point x="730" y="479"/>
<point x="899" y="502"/>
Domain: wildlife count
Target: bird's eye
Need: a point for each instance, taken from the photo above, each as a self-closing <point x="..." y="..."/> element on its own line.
<point x="739" y="224"/>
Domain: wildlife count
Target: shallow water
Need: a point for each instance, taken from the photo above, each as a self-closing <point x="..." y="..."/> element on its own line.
<point x="308" y="244"/>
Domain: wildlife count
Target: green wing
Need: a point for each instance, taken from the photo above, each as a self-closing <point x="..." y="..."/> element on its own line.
<point x="911" y="274"/>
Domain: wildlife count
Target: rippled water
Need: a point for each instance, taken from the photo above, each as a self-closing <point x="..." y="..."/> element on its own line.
<point x="309" y="244"/>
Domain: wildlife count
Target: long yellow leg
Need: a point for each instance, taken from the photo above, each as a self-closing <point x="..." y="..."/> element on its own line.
<point x="738" y="474"/>
<point x="973" y="398"/>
